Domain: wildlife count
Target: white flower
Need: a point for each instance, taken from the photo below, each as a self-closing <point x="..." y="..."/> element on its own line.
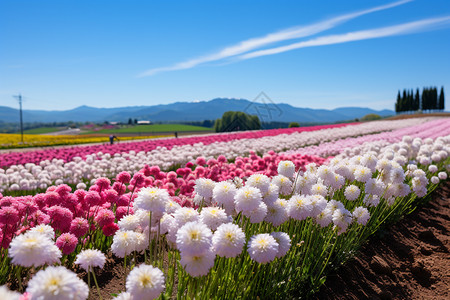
<point x="152" y="199"/>
<point x="213" y="217"/>
<point x="324" y="218"/>
<point x="283" y="183"/>
<point x="145" y="282"/>
<point x="33" y="249"/>
<point x="352" y="192"/>
<point x="258" y="214"/>
<point x="284" y="242"/>
<point x="167" y="221"/>
<point x="194" y="238"/>
<point x="7" y="294"/>
<point x="342" y="218"/>
<point x="172" y="206"/>
<point x="184" y="215"/>
<point x="263" y="248"/>
<point x="259" y="181"/>
<point x="224" y="193"/>
<point x="286" y="168"/>
<point x="124" y="242"/>
<point x="90" y="258"/>
<point x="442" y="175"/>
<point x="198" y="264"/>
<point x="204" y="187"/>
<point x="277" y="213"/>
<point x="361" y="214"/>
<point x="362" y="174"/>
<point x="318" y="204"/>
<point x="299" y="207"/>
<point x="432" y="168"/>
<point x="228" y="240"/>
<point x="57" y="283"/>
<point x="272" y="195"/>
<point x="44" y="229"/>
<point x="434" y="180"/>
<point x="319" y="189"/>
<point x="131" y="222"/>
<point x="371" y="200"/>
<point x="247" y="198"/>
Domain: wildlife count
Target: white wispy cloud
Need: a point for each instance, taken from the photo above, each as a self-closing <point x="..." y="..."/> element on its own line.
<point x="283" y="35"/>
<point x="405" y="28"/>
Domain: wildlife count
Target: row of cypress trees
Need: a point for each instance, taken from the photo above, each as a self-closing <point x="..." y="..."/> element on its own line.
<point x="429" y="100"/>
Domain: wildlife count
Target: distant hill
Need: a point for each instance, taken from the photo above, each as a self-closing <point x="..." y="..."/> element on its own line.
<point x="192" y="111"/>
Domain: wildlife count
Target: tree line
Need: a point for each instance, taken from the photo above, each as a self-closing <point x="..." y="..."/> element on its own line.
<point x="429" y="100"/>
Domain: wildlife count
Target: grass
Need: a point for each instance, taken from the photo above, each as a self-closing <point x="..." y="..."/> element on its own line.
<point x="42" y="130"/>
<point x="153" y="128"/>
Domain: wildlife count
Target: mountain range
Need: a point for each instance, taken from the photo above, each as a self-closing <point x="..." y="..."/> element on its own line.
<point x="192" y="111"/>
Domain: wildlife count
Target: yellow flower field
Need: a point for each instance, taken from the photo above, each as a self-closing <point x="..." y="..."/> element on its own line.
<point x="8" y="141"/>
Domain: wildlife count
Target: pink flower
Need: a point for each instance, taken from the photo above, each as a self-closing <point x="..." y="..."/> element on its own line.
<point x="200" y="161"/>
<point x="110" y="229"/>
<point x="61" y="217"/>
<point x="79" y="227"/>
<point x="120" y="188"/>
<point x="123" y="177"/>
<point x="52" y="198"/>
<point x="103" y="183"/>
<point x="63" y="190"/>
<point x="104" y="216"/>
<point x="9" y="215"/>
<point x="93" y="198"/>
<point x="122" y="211"/>
<point x="67" y="242"/>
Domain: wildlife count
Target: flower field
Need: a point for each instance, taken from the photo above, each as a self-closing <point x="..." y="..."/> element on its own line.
<point x="9" y="140"/>
<point x="263" y="214"/>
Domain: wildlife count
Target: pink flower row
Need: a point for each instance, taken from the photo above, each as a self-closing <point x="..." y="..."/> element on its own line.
<point x="73" y="214"/>
<point x="431" y="129"/>
<point x="67" y="154"/>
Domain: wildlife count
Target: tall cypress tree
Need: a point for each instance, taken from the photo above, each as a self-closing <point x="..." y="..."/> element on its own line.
<point x="417" y="100"/>
<point x="441" y="99"/>
<point x="397" y="103"/>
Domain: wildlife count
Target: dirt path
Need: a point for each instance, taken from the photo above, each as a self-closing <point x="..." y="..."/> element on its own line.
<point x="410" y="260"/>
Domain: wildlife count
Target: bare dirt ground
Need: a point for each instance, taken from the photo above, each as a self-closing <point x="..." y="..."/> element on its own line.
<point x="410" y="260"/>
<point x="409" y="116"/>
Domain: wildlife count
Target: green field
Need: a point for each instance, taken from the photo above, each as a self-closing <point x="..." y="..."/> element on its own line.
<point x="41" y="130"/>
<point x="152" y="129"/>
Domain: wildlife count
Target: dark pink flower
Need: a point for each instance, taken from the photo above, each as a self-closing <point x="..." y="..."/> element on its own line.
<point x="122" y="211"/>
<point x="67" y="242"/>
<point x="61" y="217"/>
<point x="79" y="227"/>
<point x="9" y="215"/>
<point x="103" y="183"/>
<point x="123" y="177"/>
<point x="63" y="190"/>
<point x="104" y="216"/>
<point x="110" y="229"/>
<point x="93" y="198"/>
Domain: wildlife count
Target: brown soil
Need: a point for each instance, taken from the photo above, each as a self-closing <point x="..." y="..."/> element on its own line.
<point x="422" y="115"/>
<point x="409" y="260"/>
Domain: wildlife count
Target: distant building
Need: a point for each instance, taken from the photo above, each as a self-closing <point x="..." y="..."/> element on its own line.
<point x="143" y="122"/>
<point x="113" y="123"/>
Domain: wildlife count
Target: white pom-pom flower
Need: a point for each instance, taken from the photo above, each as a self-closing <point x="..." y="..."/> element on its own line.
<point x="286" y="168"/>
<point x="213" y="217"/>
<point x="228" y="240"/>
<point x="194" y="238"/>
<point x="259" y="181"/>
<point x="152" y="199"/>
<point x="284" y="242"/>
<point x="145" y="282"/>
<point x="247" y="198"/>
<point x="90" y="258"/>
<point x="198" y="264"/>
<point x="263" y="248"/>
<point x="57" y="283"/>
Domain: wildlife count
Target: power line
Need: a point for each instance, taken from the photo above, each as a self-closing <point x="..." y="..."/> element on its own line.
<point x="19" y="98"/>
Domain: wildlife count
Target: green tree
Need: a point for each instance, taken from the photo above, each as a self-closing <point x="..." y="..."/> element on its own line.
<point x="397" y="103"/>
<point x="417" y="101"/>
<point x="130" y="121"/>
<point x="237" y="121"/>
<point x="294" y="124"/>
<point x="371" y="117"/>
<point x="441" y="105"/>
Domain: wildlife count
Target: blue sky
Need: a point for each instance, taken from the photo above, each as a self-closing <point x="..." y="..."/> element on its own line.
<point x="318" y="54"/>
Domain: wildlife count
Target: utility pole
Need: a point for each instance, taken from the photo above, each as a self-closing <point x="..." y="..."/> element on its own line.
<point x="19" y="98"/>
